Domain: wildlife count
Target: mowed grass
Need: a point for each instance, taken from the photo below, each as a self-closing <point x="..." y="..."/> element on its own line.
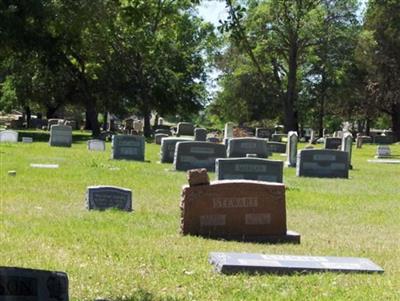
<point x="142" y="256"/>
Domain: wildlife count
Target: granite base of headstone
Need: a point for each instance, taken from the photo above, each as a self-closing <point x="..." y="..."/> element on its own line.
<point x="253" y="263"/>
<point x="60" y="135"/>
<point x="167" y="150"/>
<point x="240" y="147"/>
<point x="108" y="197"/>
<point x="8" y="136"/>
<point x="21" y="284"/>
<point x="96" y="145"/>
<point x="128" y="147"/>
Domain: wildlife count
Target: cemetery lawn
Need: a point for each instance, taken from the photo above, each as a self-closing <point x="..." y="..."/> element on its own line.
<point x="142" y="256"/>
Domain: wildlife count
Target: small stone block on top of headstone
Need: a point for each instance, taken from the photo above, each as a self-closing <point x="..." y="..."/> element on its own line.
<point x="198" y="177"/>
<point x="232" y="263"/>
<point x="27" y="140"/>
<point x="8" y="136"/>
<point x="108" y="197"/>
<point x="20" y="284"/>
<point x="96" y="145"/>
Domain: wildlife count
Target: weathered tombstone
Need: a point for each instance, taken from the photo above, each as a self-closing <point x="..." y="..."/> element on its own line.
<point x="292" y="149"/>
<point x="8" y="136"/>
<point x="185" y="129"/>
<point x="236" y="209"/>
<point x="347" y="145"/>
<point x="108" y="197"/>
<point x="200" y="134"/>
<point x="128" y="147"/>
<point x="263" y="133"/>
<point x="249" y="169"/>
<point x="383" y="151"/>
<point x="60" y="135"/>
<point x="276" y="147"/>
<point x="240" y="147"/>
<point x="322" y="163"/>
<point x="278" y="137"/>
<point x="333" y="143"/>
<point x="96" y="145"/>
<point x="158" y="137"/>
<point x="27" y="140"/>
<point x="168" y="148"/>
<point x="383" y="139"/>
<point x="197" y="154"/>
<point x="20" y="284"/>
<point x="231" y="263"/>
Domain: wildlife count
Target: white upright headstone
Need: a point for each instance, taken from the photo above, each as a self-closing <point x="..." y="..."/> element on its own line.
<point x="96" y="145"/>
<point x="9" y="136"/>
<point x="347" y="145"/>
<point x="228" y="132"/>
<point x="291" y="149"/>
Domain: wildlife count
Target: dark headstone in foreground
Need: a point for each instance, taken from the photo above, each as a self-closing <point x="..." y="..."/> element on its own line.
<point x="231" y="263"/>
<point x="18" y="284"/>
<point x="108" y="197"/>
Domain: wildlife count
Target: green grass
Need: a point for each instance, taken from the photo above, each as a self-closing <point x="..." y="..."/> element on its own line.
<point x="142" y="256"/>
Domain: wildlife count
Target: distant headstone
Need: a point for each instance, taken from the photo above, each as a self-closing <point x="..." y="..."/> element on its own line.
<point x="228" y="131"/>
<point x="240" y="147"/>
<point x="383" y="151"/>
<point x="138" y="126"/>
<point x="168" y="148"/>
<point x="312" y="136"/>
<point x="158" y="137"/>
<point x="8" y="136"/>
<point x="236" y="209"/>
<point x="60" y="135"/>
<point x="185" y="129"/>
<point x="231" y="263"/>
<point x="383" y="139"/>
<point x="322" y="163"/>
<point x="19" y="284"/>
<point x="359" y="141"/>
<point x="291" y="150"/>
<point x="72" y="123"/>
<point x="200" y="134"/>
<point x="277" y="147"/>
<point x="128" y="147"/>
<point x="213" y="139"/>
<point x="278" y="137"/>
<point x="27" y="140"/>
<point x="333" y="143"/>
<point x="108" y="197"/>
<point x="249" y="169"/>
<point x="163" y="131"/>
<point x="366" y="139"/>
<point x="12" y="173"/>
<point x="264" y="133"/>
<point x="197" y="154"/>
<point x="96" y="145"/>
<point x="347" y="145"/>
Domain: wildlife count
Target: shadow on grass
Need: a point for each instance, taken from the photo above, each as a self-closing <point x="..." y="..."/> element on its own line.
<point x="143" y="295"/>
<point x="43" y="136"/>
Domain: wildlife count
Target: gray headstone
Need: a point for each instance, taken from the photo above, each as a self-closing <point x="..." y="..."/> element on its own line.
<point x="128" y="147"/>
<point x="200" y="134"/>
<point x="27" y="140"/>
<point x="333" y="143"/>
<point x="240" y="147"/>
<point x="264" y="133"/>
<point x="107" y="197"/>
<point x="228" y="131"/>
<point x="19" y="284"/>
<point x="168" y="148"/>
<point x="60" y="135"/>
<point x="197" y="154"/>
<point x="383" y="151"/>
<point x="292" y="149"/>
<point x="383" y="139"/>
<point x="163" y="131"/>
<point x="8" y="136"/>
<point x="96" y="145"/>
<point x="185" y="129"/>
<point x="276" y="147"/>
<point x="322" y="163"/>
<point x="249" y="169"/>
<point x="347" y="145"/>
<point x="158" y="137"/>
<point x="231" y="263"/>
<point x="278" y="137"/>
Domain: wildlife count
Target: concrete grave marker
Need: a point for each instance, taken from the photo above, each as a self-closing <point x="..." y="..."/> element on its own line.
<point x="168" y="148"/>
<point x="200" y="134"/>
<point x="8" y="136"/>
<point x="347" y="146"/>
<point x="107" y="197"/>
<point x="128" y="147"/>
<point x="236" y="209"/>
<point x="96" y="145"/>
<point x="231" y="263"/>
<point x="276" y="147"/>
<point x="249" y="169"/>
<point x="27" y="139"/>
<point x="197" y="154"/>
<point x="185" y="129"/>
<point x="158" y="137"/>
<point x="60" y="135"/>
<point x="20" y="284"/>
<point x="333" y="143"/>
<point x="322" y="163"/>
<point x="292" y="149"/>
<point x="240" y="147"/>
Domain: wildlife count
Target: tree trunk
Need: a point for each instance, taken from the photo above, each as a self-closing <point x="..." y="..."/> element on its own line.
<point x="28" y="116"/>
<point x="291" y="123"/>
<point x="156" y="121"/>
<point x="147" y="126"/>
<point x="396" y="120"/>
<point x="50" y="112"/>
<point x="91" y="118"/>
<point x="367" y="127"/>
<point x="105" y="120"/>
<point x="321" y="117"/>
